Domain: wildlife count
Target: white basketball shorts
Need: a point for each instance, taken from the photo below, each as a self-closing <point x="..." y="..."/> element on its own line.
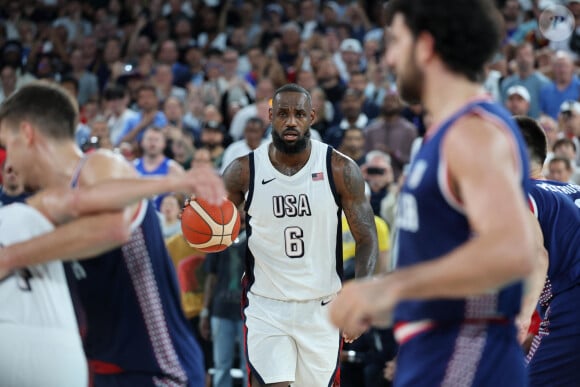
<point x="32" y="356"/>
<point x="291" y="341"/>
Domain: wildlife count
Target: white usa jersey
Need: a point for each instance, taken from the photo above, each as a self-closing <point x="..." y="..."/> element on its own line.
<point x="294" y="228"/>
<point x="37" y="295"/>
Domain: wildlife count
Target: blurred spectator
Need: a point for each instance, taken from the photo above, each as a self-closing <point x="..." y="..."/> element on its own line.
<point x="353" y="144"/>
<point x="324" y="111"/>
<point x="552" y="132"/>
<point x="351" y="107"/>
<point x="348" y="60"/>
<point x="182" y="151"/>
<point x="359" y="82"/>
<point x="164" y="85"/>
<point x="511" y="16"/>
<point x="173" y="110"/>
<point x="527" y="77"/>
<point x="264" y="91"/>
<point x="378" y="173"/>
<point x="329" y="80"/>
<point x="111" y="57"/>
<point x="118" y="115"/>
<point x="308" y="18"/>
<point x="560" y="169"/>
<point x="194" y="59"/>
<point x="220" y="318"/>
<point x="567" y="149"/>
<point x="148" y="116"/>
<point x="213" y="138"/>
<point x="518" y="100"/>
<point x="12" y="55"/>
<point x="569" y="120"/>
<point x="168" y="54"/>
<point x="212" y="33"/>
<point x="83" y="132"/>
<point x="194" y="115"/>
<point x="565" y="86"/>
<point x="72" y="20"/>
<point x="153" y="162"/>
<point x="88" y="83"/>
<point x="289" y="52"/>
<point x="253" y="138"/>
<point x="169" y="215"/>
<point x="392" y="134"/>
<point x="100" y="133"/>
<point x="12" y="189"/>
<point x="7" y="81"/>
<point x="306" y="79"/>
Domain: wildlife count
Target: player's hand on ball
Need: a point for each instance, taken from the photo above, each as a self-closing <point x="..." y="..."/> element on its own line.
<point x="203" y="181"/>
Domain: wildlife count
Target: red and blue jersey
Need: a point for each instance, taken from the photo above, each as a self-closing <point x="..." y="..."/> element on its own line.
<point x="556" y="205"/>
<point x="130" y="301"/>
<point x="432" y="222"/>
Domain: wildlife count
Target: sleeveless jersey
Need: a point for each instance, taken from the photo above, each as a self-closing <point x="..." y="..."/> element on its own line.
<point x="37" y="295"/>
<point x="431" y="222"/>
<point x="131" y="302"/>
<point x="293" y="228"/>
<point x="161" y="170"/>
<point x="556" y="205"/>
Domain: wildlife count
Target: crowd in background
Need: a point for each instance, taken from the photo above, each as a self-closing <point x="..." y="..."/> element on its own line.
<point x="167" y="84"/>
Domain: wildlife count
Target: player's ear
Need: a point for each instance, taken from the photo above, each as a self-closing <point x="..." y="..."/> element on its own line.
<point x="312" y="115"/>
<point x="424" y="47"/>
<point x="270" y="114"/>
<point x="28" y="132"/>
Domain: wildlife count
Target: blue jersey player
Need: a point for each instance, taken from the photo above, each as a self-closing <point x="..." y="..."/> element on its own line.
<point x="554" y="357"/>
<point x="135" y="332"/>
<point x="462" y="210"/>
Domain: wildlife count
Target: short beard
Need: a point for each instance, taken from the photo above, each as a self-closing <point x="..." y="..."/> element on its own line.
<point x="410" y="83"/>
<point x="291" y="149"/>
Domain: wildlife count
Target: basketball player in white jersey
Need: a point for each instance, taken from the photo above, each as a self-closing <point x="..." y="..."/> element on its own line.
<point x="294" y="190"/>
<point x="38" y="329"/>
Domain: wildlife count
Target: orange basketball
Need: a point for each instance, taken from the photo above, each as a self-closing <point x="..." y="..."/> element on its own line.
<point x="210" y="228"/>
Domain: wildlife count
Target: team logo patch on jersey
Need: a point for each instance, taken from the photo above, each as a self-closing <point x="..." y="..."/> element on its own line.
<point x="416" y="174"/>
<point x="318" y="176"/>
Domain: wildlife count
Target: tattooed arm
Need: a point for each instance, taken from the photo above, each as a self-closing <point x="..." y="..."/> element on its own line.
<point x="359" y="214"/>
<point x="237" y="179"/>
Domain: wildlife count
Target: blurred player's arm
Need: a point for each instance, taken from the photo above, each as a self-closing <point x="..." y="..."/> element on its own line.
<point x="237" y="179"/>
<point x="94" y="234"/>
<point x="501" y="251"/>
<point x="359" y="214"/>
<point x="62" y="204"/>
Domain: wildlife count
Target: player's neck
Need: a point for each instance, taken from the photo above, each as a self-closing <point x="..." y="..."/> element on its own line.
<point x="536" y="172"/>
<point x="445" y="93"/>
<point x="57" y="163"/>
<point x="153" y="159"/>
<point x="289" y="162"/>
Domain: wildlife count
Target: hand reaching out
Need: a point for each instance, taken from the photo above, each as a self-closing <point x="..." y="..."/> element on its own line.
<point x="203" y="181"/>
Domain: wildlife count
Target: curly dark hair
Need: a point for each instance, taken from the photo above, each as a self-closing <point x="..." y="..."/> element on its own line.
<point x="467" y="33"/>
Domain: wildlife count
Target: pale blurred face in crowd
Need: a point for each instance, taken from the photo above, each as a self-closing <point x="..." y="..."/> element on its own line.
<point x="559" y="170"/>
<point x="517" y="105"/>
<point x="153" y="143"/>
<point x="563" y="68"/>
<point x="170" y="208"/>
